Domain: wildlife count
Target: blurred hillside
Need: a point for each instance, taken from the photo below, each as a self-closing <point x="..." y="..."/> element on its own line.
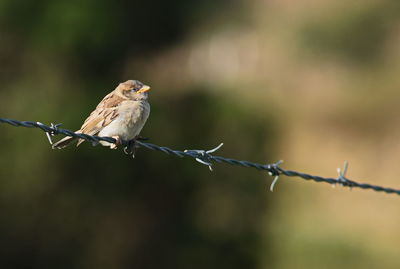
<point x="311" y="82"/>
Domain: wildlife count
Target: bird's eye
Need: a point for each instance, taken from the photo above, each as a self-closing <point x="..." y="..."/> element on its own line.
<point x="136" y="89"/>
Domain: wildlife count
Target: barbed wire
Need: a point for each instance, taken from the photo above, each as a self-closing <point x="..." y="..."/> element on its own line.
<point x="205" y="157"/>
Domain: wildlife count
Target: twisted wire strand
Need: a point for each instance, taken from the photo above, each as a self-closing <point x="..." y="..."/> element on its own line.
<point x="206" y="158"/>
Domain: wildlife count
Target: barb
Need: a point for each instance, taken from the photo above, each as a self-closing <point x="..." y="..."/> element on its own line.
<point x="206" y="158"/>
<point x="274" y="172"/>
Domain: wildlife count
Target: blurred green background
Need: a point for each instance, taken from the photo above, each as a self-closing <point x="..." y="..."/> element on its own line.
<point x="311" y="82"/>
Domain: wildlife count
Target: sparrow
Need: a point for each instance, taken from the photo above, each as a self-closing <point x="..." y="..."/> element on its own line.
<point x="120" y="115"/>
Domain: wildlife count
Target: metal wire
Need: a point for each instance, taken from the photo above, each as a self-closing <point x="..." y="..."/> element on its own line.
<point x="205" y="157"/>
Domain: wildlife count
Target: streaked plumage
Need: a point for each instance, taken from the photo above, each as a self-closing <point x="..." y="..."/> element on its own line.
<point x="121" y="114"/>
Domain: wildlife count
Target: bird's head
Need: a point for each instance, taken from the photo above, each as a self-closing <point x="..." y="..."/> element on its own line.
<point x="134" y="90"/>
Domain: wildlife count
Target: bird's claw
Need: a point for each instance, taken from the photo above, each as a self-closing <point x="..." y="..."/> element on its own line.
<point x="130" y="147"/>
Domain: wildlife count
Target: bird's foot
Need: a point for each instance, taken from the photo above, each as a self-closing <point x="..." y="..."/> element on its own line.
<point x="130" y="147"/>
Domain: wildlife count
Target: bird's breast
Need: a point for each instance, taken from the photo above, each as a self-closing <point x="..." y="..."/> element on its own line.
<point x="132" y="116"/>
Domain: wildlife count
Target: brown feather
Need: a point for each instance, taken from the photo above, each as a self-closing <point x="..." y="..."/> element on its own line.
<point x="107" y="110"/>
<point x="63" y="142"/>
<point x="103" y="115"/>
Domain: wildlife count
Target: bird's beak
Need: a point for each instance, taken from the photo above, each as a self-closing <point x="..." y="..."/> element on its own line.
<point x="145" y="88"/>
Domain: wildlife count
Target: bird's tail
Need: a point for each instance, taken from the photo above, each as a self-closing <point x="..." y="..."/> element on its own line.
<point x="63" y="142"/>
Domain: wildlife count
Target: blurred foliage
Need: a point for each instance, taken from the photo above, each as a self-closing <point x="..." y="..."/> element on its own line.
<point x="357" y="34"/>
<point x="271" y="79"/>
<point x="94" y="35"/>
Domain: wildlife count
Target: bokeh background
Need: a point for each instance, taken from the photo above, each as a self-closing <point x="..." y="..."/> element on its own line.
<point x="311" y="82"/>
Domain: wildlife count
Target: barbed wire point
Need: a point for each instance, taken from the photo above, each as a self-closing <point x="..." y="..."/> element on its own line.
<point x="205" y="163"/>
<point x="203" y="156"/>
<point x="271" y="188"/>
<point x="273" y="168"/>
<point x="274" y="171"/>
<point x="341" y="179"/>
<point x="215" y="149"/>
<point x="50" y="133"/>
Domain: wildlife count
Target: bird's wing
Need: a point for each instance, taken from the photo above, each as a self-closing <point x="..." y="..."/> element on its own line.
<point x="105" y="112"/>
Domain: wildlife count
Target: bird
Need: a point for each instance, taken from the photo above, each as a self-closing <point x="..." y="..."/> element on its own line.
<point x="121" y="115"/>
